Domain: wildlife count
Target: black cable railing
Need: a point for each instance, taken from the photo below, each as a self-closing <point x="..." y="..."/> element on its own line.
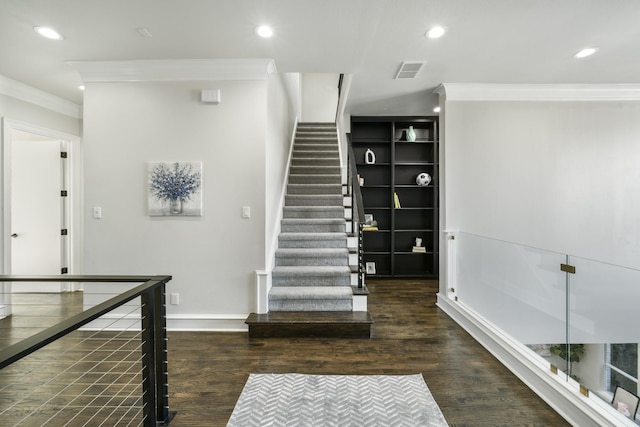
<point x="150" y="395"/>
<point x="357" y="208"/>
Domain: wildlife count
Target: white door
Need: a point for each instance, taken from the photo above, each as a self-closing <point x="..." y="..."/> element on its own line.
<point x="37" y="209"/>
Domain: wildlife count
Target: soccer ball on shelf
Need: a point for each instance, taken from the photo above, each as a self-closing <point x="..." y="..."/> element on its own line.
<point x="423" y="179"/>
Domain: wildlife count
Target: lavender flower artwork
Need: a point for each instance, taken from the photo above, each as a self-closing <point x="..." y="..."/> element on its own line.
<point x="175" y="189"/>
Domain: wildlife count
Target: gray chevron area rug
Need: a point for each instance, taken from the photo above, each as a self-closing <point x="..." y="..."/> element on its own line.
<point x="299" y="400"/>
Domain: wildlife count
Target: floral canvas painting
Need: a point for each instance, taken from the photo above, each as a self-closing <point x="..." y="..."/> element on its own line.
<point x="175" y="189"/>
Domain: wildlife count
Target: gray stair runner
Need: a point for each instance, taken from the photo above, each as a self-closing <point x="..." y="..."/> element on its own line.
<point x="312" y="270"/>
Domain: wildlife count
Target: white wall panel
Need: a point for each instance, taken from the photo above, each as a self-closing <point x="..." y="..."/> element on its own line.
<point x="557" y="175"/>
<point x="212" y="258"/>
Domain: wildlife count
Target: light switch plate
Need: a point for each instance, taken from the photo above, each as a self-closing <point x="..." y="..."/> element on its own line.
<point x="246" y="212"/>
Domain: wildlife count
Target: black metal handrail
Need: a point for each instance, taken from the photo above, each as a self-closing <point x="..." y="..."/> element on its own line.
<point x="154" y="339"/>
<point x="357" y="207"/>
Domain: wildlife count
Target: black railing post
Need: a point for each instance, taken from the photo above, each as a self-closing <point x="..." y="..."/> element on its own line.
<point x="155" y="378"/>
<point x="162" y="364"/>
<point x="360" y="255"/>
<point x="149" y="401"/>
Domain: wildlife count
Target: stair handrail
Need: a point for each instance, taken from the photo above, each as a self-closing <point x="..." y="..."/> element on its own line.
<point x="357" y="206"/>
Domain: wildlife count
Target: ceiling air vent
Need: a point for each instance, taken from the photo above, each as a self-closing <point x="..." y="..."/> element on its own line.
<point x="409" y="70"/>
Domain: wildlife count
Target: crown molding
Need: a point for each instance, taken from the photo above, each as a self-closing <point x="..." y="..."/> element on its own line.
<point x="174" y="70"/>
<point x="539" y="92"/>
<point x="23" y="92"/>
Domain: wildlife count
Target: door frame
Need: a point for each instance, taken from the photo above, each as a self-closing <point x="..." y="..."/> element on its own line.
<point x="74" y="202"/>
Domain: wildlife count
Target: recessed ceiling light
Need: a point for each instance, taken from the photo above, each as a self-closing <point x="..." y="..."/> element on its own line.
<point x="586" y="52"/>
<point x="264" y="31"/>
<point x="436" y="110"/>
<point x="48" y="32"/>
<point x="81" y="87"/>
<point x="436" y="32"/>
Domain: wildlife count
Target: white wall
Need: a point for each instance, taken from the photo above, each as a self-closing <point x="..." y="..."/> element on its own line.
<point x="212" y="258"/>
<point x="557" y="175"/>
<point x="319" y="97"/>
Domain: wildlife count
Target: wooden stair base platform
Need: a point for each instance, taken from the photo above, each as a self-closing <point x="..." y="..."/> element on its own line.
<point x="334" y="324"/>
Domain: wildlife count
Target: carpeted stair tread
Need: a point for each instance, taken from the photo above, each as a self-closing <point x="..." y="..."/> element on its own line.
<point x="329" y="271"/>
<point x="313" y="212"/>
<point x="317" y="179"/>
<point x="313" y="236"/>
<point x="312" y="252"/>
<point x="312" y="240"/>
<point x="311" y="292"/>
<point x="317" y="197"/>
<point x="314" y="170"/>
<point x="313" y="221"/>
<point x="313" y="226"/>
<point x="315" y="151"/>
<point x="315" y="161"/>
<point x="314" y="200"/>
<point x="314" y="189"/>
<point x="312" y="256"/>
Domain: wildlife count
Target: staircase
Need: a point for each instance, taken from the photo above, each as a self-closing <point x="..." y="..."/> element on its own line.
<point x="311" y="281"/>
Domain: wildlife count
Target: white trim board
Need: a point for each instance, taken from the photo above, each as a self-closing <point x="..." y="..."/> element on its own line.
<point x="207" y="322"/>
<point x="175" y="322"/>
<point x="567" y="401"/>
<point x="539" y="92"/>
<point x="23" y="92"/>
<point x="159" y="70"/>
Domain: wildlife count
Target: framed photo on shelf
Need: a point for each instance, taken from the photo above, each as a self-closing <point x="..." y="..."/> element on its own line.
<point x="370" y="267"/>
<point x="368" y="219"/>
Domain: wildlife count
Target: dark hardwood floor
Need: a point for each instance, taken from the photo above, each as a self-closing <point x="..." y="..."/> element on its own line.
<point x="207" y="370"/>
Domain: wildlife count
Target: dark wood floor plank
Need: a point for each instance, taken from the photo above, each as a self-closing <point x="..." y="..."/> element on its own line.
<point x="207" y="370"/>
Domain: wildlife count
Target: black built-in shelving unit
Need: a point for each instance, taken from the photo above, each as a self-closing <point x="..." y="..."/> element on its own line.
<point x="397" y="164"/>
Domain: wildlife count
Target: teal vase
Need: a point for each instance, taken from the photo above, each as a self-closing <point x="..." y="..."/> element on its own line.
<point x="411" y="134"/>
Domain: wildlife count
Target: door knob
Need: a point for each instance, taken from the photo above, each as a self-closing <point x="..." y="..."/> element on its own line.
<point x="14" y="235"/>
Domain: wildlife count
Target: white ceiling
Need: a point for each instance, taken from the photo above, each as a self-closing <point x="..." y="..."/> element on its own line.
<point x="488" y="41"/>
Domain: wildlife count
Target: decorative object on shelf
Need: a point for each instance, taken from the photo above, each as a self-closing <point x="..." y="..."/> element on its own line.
<point x="368" y="219"/>
<point x="369" y="157"/>
<point x="175" y="189"/>
<point x="370" y="224"/>
<point x="370" y="267"/>
<point x="360" y="181"/>
<point x="423" y="179"/>
<point x="417" y="247"/>
<point x="396" y="201"/>
<point x="411" y="134"/>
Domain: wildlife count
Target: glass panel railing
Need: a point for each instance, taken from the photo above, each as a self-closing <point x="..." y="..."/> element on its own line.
<point x="604" y="301"/>
<point x="573" y="313"/>
<point x="517" y="288"/>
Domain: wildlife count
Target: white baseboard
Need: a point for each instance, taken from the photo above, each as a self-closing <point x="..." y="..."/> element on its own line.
<point x="207" y="322"/>
<point x="175" y="322"/>
<point x="562" y="396"/>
